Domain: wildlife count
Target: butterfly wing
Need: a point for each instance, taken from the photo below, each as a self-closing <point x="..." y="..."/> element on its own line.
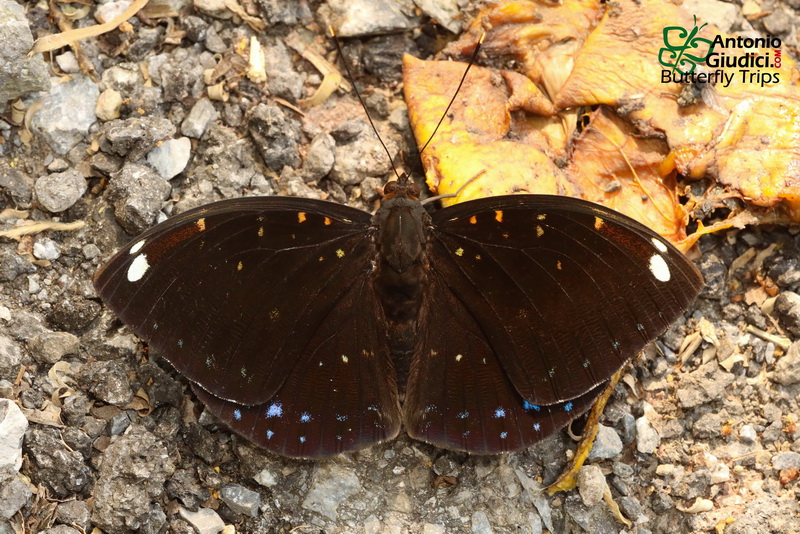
<point x="564" y="291"/>
<point x="458" y="394"/>
<point x="232" y="292"/>
<point x="340" y="397"/>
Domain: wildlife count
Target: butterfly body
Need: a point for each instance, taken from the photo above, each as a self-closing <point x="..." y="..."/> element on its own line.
<point x="312" y="328"/>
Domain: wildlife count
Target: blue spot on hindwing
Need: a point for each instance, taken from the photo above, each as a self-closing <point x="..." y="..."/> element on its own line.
<point x="499" y="413"/>
<point x="275" y="410"/>
<point x="305" y="417"/>
<point x="527" y="406"/>
<point x="463" y="415"/>
<point x="503" y="435"/>
<point x="270" y="433"/>
<point x="237" y="414"/>
<point x="568" y="407"/>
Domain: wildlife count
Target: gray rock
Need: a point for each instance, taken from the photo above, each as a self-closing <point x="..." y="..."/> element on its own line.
<point x="14" y="493"/>
<point x="108" y="381"/>
<point x="715" y="275"/>
<point x="709" y="425"/>
<point x="283" y="80"/>
<point x="362" y="158"/>
<point x="606" y="445"/>
<point x="448" y="13"/>
<point x="19" y="74"/>
<point x="204" y="520"/>
<point x="332" y="484"/>
<point x="319" y="158"/>
<point x="631" y="508"/>
<point x="61" y="470"/>
<point x="66" y="113"/>
<point x="68" y="62"/>
<point x="285" y="11"/>
<point x="13" y="265"/>
<point x="748" y="434"/>
<point x="12" y="430"/>
<point x="60" y="529"/>
<point x="60" y="191"/>
<point x="195" y="29"/>
<point x="10" y="357"/>
<point x="240" y="499"/>
<point x="480" y="523"/>
<point x="706" y="384"/>
<point x="132" y="473"/>
<point x="722" y="14"/>
<point x="137" y="193"/>
<point x="135" y="137"/>
<point x="16" y="185"/>
<point x="275" y="135"/>
<point x="787" y="308"/>
<point x="182" y="75"/>
<point x="171" y="157"/>
<point x="778" y="22"/>
<point x="46" y="249"/>
<point x="355" y="18"/>
<point x="72" y="313"/>
<point x="74" y="513"/>
<point x="123" y="78"/>
<point x="786" y="460"/>
<point x="787" y="369"/>
<point x="592" y="484"/>
<point x="647" y="438"/>
<point x="201" y="115"/>
<point x="50" y="347"/>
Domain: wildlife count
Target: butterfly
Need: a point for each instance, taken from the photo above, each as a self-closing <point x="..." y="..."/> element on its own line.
<point x="312" y="328"/>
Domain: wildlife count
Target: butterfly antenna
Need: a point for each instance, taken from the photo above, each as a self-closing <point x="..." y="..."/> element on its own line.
<point x="464" y="77"/>
<point x="358" y="94"/>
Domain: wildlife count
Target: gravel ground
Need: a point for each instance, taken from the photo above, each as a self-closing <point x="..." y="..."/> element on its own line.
<point x="98" y="434"/>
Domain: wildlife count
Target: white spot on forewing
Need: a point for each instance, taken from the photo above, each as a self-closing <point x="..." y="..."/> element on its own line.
<point x="137" y="247"/>
<point x="659" y="268"/>
<point x="137" y="268"/>
<point x="658" y="244"/>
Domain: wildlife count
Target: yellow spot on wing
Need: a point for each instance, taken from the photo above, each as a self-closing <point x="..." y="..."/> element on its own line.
<point x="539" y="231"/>
<point x="598" y="223"/>
<point x="327" y="221"/>
<point x="558" y="265"/>
<point x="261" y="231"/>
<point x="201" y="224"/>
<point x="301" y="216"/>
<point x="459" y="251"/>
<point x="473" y="220"/>
<point x="340" y="253"/>
<point x="498" y="216"/>
<point x="239" y="267"/>
<point x="345" y="359"/>
<point x="541" y="216"/>
<point x="458" y="357"/>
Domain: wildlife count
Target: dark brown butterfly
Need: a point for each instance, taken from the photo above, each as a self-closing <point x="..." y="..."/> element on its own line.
<point x="312" y="328"/>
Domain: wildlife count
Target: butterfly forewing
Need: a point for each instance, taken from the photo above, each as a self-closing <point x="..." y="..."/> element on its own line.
<point x="565" y="291"/>
<point x="231" y="293"/>
<point x="340" y="396"/>
<point x="459" y="396"/>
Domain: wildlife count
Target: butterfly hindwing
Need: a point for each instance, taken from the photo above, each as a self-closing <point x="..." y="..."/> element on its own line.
<point x="231" y="293"/>
<point x="564" y="291"/>
<point x="341" y="394"/>
<point x="459" y="396"/>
